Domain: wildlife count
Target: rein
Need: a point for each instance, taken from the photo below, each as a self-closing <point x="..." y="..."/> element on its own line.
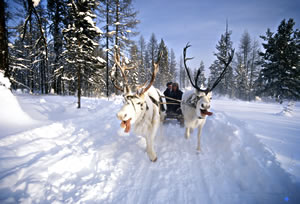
<point x="173" y="99"/>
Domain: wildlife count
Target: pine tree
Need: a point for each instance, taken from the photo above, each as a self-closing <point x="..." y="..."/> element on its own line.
<point x="105" y="12"/>
<point x="163" y="75"/>
<point x="223" y="48"/>
<point x="243" y="69"/>
<point x="173" y="71"/>
<point x="280" y="68"/>
<point x="142" y="59"/>
<point x="201" y="79"/>
<point x="240" y="78"/>
<point x="123" y="22"/>
<point x="57" y="13"/>
<point x="29" y="54"/>
<point x="254" y="68"/>
<point x="81" y="41"/>
<point x="182" y="74"/>
<point x="152" y="51"/>
<point x="134" y="76"/>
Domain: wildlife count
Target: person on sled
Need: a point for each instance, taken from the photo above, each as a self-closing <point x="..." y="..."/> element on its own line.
<point x="176" y="93"/>
<point x="167" y="93"/>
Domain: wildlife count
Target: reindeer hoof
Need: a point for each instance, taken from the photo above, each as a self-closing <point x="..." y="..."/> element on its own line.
<point x="154" y="160"/>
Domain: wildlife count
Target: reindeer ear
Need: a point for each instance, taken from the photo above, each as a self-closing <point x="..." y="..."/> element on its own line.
<point x="141" y="96"/>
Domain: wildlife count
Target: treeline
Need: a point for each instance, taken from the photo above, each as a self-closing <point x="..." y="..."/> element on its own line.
<point x="57" y="47"/>
<point x="272" y="72"/>
<point x="67" y="47"/>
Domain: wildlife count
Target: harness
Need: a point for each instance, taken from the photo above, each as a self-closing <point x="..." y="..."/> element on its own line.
<point x="159" y="103"/>
<point x="193" y="100"/>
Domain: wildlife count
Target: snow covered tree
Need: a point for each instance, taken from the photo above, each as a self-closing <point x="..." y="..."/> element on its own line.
<point x="201" y="79"/>
<point x="173" y="71"/>
<point x="124" y="21"/>
<point x="182" y="74"/>
<point x="152" y="48"/>
<point x="280" y="68"/>
<point x="240" y="78"/>
<point x="57" y="13"/>
<point x="81" y="37"/>
<point x="29" y="52"/>
<point x="142" y="59"/>
<point x="105" y="12"/>
<point x="120" y="22"/>
<point x="243" y="68"/>
<point x="163" y="75"/>
<point x="152" y="51"/>
<point x="135" y="74"/>
<point x="223" y="47"/>
<point x="254" y="69"/>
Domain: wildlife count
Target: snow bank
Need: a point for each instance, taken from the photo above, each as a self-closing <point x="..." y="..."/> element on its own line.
<point x="287" y="109"/>
<point x="12" y="116"/>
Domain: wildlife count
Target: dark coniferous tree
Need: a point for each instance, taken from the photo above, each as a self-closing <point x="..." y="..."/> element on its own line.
<point x="223" y="48"/>
<point x="201" y="79"/>
<point x="57" y="12"/>
<point x="280" y="73"/>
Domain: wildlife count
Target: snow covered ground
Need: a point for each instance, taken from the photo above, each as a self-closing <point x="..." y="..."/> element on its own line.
<point x="61" y="154"/>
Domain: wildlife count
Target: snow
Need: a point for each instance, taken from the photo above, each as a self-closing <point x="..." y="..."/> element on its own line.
<point x="250" y="155"/>
<point x="111" y="33"/>
<point x="13" y="118"/>
<point x="4" y="81"/>
<point x="101" y="60"/>
<point x="89" y="20"/>
<point x="35" y="2"/>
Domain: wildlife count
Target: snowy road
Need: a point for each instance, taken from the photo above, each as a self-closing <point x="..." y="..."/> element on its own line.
<point x="81" y="156"/>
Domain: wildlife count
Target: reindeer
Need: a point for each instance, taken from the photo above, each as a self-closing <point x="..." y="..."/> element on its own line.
<point x="195" y="104"/>
<point x="142" y="107"/>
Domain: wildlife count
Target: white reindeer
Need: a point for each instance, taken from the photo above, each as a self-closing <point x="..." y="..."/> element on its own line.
<point x="142" y="107"/>
<point x="195" y="104"/>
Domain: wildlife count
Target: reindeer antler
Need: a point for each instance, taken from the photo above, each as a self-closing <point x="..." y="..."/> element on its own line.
<point x="195" y="85"/>
<point x="155" y="70"/>
<point x="123" y="67"/>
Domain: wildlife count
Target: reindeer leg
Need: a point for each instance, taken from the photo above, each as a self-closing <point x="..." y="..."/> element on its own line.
<point x="150" y="144"/>
<point x="187" y="133"/>
<point x="199" y="137"/>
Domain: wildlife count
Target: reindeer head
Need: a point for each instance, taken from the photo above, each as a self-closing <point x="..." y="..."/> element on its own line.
<point x="134" y="101"/>
<point x="203" y="96"/>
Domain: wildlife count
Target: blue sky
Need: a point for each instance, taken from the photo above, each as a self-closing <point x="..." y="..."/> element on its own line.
<point x="202" y="22"/>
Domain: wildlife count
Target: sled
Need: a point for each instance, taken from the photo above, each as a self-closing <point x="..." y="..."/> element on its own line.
<point x="174" y="118"/>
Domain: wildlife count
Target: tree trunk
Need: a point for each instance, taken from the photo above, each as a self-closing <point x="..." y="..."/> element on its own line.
<point x="78" y="85"/>
<point x="107" y="47"/>
<point x="117" y="32"/>
<point x="3" y="42"/>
